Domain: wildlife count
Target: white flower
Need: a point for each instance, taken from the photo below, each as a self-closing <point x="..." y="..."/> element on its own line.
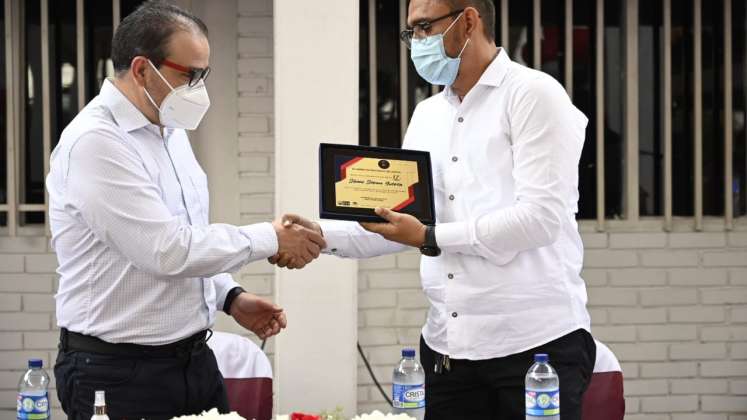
<point x="213" y="414"/>
<point x="378" y="415"/>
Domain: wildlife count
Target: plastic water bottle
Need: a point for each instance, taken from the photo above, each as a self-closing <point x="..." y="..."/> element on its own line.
<point x="408" y="386"/>
<point x="33" y="400"/>
<point x="542" y="390"/>
<point x="99" y="406"/>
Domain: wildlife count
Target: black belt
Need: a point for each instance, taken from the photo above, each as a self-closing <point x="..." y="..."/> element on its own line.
<point x="72" y="341"/>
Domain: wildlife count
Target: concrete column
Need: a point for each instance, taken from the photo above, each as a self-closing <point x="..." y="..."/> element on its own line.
<point x="214" y="142"/>
<point x="316" y="99"/>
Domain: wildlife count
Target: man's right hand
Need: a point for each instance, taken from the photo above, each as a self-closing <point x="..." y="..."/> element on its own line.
<point x="298" y="245"/>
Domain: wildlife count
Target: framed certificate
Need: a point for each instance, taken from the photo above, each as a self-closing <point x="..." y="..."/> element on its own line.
<point x="354" y="180"/>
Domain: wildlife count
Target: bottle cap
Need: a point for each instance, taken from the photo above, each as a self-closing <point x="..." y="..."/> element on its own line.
<point x="35" y="363"/>
<point x="541" y="358"/>
<point x="408" y="352"/>
<point x="100" y="400"/>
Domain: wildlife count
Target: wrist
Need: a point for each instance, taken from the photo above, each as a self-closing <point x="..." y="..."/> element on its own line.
<point x="231" y="299"/>
<point x="430" y="246"/>
<point x="318" y="228"/>
<point x="422" y="236"/>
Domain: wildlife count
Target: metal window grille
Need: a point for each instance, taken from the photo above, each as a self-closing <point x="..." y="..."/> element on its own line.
<point x="14" y="209"/>
<point x="632" y="217"/>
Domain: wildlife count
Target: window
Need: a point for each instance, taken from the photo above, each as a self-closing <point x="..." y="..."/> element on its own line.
<point x="31" y="191"/>
<point x="650" y="106"/>
<point x="3" y="126"/>
<point x="521" y="47"/>
<point x="46" y="82"/>
<point x="98" y="33"/>
<point x="553" y="39"/>
<point x="712" y="13"/>
<point x="739" y="113"/>
<point x="63" y="50"/>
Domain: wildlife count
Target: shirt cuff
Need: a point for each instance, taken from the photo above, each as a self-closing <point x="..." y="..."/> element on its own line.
<point x="224" y="283"/>
<point x="232" y="294"/>
<point x="336" y="235"/>
<point x="264" y="240"/>
<point x="455" y="237"/>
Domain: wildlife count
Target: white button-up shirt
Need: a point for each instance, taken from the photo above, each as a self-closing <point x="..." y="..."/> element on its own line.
<point x="505" y="173"/>
<point x="128" y="209"/>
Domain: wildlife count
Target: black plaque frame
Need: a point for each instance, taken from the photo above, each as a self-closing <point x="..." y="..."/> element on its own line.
<point x="422" y="208"/>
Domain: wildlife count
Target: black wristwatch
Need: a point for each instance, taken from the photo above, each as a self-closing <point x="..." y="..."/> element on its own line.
<point x="430" y="247"/>
<point x="230" y="296"/>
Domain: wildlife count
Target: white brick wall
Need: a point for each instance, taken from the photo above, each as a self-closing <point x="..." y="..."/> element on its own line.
<point x="673" y="308"/>
<point x="27" y="282"/>
<point x="255" y="139"/>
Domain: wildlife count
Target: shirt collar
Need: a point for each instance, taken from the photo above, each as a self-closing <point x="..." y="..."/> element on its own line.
<point x="125" y="113"/>
<point x="493" y="75"/>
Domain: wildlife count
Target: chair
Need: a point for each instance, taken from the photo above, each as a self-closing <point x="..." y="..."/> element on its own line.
<point x="247" y="375"/>
<point x="604" y="398"/>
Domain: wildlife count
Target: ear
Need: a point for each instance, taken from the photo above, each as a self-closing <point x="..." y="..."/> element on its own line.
<point x="137" y="69"/>
<point x="472" y="20"/>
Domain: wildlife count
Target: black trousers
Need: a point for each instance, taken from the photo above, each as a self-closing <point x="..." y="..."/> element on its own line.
<point x="494" y="389"/>
<point x="140" y="387"/>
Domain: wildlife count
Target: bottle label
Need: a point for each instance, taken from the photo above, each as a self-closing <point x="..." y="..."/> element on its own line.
<point x="542" y="403"/>
<point x="32" y="407"/>
<point x="408" y="396"/>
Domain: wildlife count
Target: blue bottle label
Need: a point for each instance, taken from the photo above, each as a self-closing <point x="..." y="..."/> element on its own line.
<point x="541" y="403"/>
<point x="408" y="396"/>
<point x="32" y="407"/>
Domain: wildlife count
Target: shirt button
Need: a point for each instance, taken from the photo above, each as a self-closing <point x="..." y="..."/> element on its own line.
<point x="454" y="159"/>
<point x="454" y="315"/>
<point x="451" y="276"/>
<point x="451" y="197"/>
<point x="460" y="119"/>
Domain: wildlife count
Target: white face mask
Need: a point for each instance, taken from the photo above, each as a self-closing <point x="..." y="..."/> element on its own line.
<point x="184" y="106"/>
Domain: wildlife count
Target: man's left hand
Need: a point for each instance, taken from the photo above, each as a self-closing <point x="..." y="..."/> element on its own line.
<point x="258" y="315"/>
<point x="400" y="227"/>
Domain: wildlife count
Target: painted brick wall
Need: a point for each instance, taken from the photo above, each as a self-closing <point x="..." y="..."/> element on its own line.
<point x="673" y="308"/>
<point x="255" y="139"/>
<point x="27" y="320"/>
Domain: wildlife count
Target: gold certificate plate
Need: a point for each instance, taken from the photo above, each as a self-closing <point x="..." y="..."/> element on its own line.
<point x="368" y="183"/>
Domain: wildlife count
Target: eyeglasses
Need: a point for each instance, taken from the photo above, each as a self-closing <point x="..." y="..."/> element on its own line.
<point x="195" y="75"/>
<point x="423" y="27"/>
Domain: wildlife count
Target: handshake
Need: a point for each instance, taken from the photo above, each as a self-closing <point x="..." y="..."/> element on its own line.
<point x="300" y="241"/>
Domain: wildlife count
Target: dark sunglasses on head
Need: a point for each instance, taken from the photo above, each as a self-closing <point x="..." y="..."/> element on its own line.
<point x="195" y="75"/>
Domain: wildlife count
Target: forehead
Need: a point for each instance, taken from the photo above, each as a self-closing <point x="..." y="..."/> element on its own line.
<point x="421" y="10"/>
<point x="189" y="48"/>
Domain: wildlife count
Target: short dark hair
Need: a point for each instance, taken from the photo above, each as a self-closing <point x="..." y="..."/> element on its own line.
<point x="485" y="8"/>
<point x="147" y="32"/>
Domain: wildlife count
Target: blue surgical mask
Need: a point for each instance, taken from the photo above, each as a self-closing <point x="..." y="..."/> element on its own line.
<point x="429" y="57"/>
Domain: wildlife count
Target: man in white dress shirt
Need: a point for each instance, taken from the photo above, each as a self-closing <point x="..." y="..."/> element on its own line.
<point x="503" y="262"/>
<point x="142" y="270"/>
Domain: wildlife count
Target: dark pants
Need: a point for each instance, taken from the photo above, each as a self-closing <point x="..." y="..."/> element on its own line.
<point x="494" y="389"/>
<point x="158" y="387"/>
